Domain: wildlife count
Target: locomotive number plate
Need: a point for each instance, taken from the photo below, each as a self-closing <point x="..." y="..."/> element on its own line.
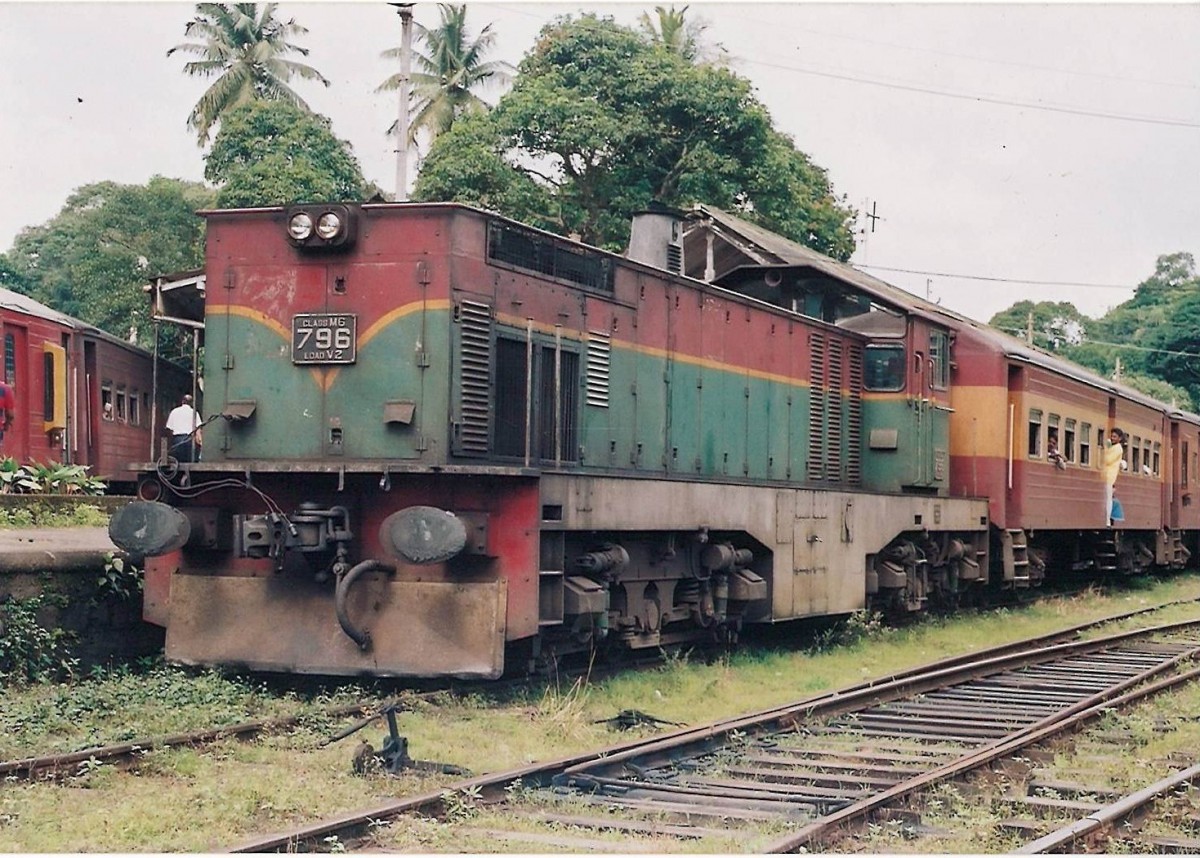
<point x="324" y="338"/>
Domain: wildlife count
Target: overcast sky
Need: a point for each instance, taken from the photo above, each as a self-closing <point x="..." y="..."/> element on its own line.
<point x="1008" y="143"/>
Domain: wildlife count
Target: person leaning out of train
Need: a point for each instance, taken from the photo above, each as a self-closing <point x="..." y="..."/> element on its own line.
<point x="184" y="425"/>
<point x="1113" y="463"/>
<point x="8" y="408"/>
<point x="1052" y="455"/>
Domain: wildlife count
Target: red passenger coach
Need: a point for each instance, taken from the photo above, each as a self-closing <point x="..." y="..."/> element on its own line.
<point x="83" y="396"/>
<point x="1030" y="431"/>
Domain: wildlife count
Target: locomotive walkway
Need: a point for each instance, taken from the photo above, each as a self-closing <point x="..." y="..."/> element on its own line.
<point x="54" y="549"/>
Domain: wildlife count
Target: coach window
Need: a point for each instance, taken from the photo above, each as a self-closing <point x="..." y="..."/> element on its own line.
<point x="1068" y="446"/>
<point x="939" y="359"/>
<point x="1035" y="433"/>
<point x="122" y="412"/>
<point x="1137" y="455"/>
<point x="1157" y="459"/>
<point x="1085" y="444"/>
<point x="135" y="414"/>
<point x="883" y="367"/>
<point x="106" y="402"/>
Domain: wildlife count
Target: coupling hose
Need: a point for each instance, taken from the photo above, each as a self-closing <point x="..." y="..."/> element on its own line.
<point x="362" y="637"/>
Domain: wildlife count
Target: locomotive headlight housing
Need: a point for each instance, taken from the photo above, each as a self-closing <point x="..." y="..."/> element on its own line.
<point x="300" y="226"/>
<point x="318" y="228"/>
<point x="329" y="226"/>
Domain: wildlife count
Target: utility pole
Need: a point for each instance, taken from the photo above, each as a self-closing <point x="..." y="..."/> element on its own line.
<point x="405" y="12"/>
<point x="1029" y="328"/>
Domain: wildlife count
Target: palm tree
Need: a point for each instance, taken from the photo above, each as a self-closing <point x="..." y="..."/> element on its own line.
<point x="675" y="32"/>
<point x="246" y="48"/>
<point x="447" y="77"/>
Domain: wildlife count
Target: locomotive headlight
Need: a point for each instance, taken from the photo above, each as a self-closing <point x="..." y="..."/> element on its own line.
<point x="329" y="226"/>
<point x="300" y="227"/>
<point x="322" y="227"/>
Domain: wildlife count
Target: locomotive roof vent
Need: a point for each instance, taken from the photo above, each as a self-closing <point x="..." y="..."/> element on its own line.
<point x="321" y="227"/>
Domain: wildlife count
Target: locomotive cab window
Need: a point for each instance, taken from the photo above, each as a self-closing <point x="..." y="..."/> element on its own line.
<point x="1035" y="433"/>
<point x="883" y="367"/>
<point x="939" y="360"/>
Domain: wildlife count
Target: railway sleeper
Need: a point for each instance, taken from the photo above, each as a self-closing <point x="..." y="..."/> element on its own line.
<point x="837" y="783"/>
<point x="679" y="809"/>
<point x="1068" y="789"/>
<point x="861" y="767"/>
<point x="574" y="844"/>
<point x="612" y="823"/>
<point x="1041" y="806"/>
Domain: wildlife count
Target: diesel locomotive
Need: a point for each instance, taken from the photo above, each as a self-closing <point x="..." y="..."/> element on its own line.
<point x="443" y="443"/>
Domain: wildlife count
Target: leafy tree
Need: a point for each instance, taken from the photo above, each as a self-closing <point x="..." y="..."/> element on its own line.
<point x="1174" y="349"/>
<point x="674" y="31"/>
<point x="93" y="258"/>
<point x="1160" y="390"/>
<point x="604" y="122"/>
<point x="468" y="166"/>
<point x="449" y="74"/>
<point x="11" y="277"/>
<point x="1154" y="336"/>
<point x="246" y="48"/>
<point x="1055" y="325"/>
<point x="274" y="153"/>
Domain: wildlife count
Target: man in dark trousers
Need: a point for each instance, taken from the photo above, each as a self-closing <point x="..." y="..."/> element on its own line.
<point x="184" y="425"/>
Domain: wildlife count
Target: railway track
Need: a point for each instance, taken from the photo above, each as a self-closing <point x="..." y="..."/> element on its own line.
<point x="786" y="778"/>
<point x="126" y="754"/>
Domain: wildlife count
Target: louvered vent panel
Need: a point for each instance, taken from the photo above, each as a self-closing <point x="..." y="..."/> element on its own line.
<point x="475" y="377"/>
<point x="854" y="414"/>
<point x="675" y="258"/>
<point x="833" y="418"/>
<point x="816" y="407"/>
<point x="599" y="353"/>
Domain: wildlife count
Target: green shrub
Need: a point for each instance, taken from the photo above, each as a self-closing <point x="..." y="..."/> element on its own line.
<point x="29" y="652"/>
<point x="52" y="478"/>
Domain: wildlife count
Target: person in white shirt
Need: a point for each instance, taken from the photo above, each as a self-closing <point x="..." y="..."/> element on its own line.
<point x="184" y="425"/>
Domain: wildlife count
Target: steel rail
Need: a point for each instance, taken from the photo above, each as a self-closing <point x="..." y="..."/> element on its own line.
<point x="1107" y="817"/>
<point x="1045" y="729"/>
<point x="698" y="739"/>
<point x="53" y="765"/>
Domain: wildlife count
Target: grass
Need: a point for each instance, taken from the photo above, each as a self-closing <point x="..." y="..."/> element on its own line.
<point x="185" y="800"/>
<point x="42" y="515"/>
